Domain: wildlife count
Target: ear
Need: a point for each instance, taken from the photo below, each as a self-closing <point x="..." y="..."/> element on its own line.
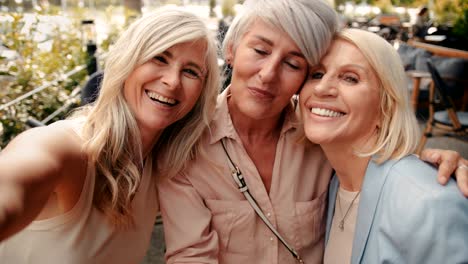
<point x="378" y="124"/>
<point x="229" y="56"/>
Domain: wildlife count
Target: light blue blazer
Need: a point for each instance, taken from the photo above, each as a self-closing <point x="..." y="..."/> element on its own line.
<point x="406" y="216"/>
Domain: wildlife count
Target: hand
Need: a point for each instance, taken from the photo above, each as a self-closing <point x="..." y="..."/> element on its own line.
<point x="449" y="162"/>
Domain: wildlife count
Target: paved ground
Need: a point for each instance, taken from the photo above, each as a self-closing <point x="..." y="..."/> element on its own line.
<point x="156" y="252"/>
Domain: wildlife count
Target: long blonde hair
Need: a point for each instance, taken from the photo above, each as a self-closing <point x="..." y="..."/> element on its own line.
<point x="113" y="139"/>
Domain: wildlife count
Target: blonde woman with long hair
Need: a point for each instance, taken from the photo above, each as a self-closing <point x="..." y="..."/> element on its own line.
<point x="83" y="190"/>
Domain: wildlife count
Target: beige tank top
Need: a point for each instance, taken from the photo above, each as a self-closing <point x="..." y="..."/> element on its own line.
<point x="83" y="235"/>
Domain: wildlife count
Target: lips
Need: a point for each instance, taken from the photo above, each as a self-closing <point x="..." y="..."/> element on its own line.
<point x="259" y="93"/>
<point x="161" y="99"/>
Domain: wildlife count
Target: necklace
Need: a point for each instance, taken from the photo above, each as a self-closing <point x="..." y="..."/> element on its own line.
<point x="341" y="225"/>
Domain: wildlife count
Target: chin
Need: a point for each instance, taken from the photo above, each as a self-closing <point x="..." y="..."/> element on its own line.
<point x="318" y="138"/>
<point x="155" y="125"/>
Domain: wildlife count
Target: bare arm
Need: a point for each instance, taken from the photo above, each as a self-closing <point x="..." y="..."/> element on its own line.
<point x="30" y="170"/>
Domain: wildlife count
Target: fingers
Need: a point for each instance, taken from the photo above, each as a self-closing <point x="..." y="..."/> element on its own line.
<point x="446" y="169"/>
<point x="462" y="176"/>
<point x="447" y="160"/>
<point x="431" y="155"/>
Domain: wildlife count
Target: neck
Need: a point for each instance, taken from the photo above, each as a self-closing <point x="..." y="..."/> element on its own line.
<point x="252" y="130"/>
<point x="350" y="168"/>
<point x="148" y="140"/>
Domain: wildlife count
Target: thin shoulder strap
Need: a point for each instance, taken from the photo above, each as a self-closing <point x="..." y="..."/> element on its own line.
<point x="244" y="189"/>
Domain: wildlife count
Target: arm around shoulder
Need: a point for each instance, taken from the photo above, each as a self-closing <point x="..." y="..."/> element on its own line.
<point x="30" y="170"/>
<point x="436" y="227"/>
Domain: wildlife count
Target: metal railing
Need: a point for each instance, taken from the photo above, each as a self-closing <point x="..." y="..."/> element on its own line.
<point x="44" y="86"/>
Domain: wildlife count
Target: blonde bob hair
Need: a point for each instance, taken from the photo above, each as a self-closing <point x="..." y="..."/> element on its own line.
<point x="113" y="141"/>
<point x="311" y="24"/>
<point x="398" y="132"/>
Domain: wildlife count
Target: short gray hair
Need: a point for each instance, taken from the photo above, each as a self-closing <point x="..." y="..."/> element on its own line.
<point x="310" y="23"/>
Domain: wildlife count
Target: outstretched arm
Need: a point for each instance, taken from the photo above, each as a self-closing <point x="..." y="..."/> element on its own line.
<point x="449" y="162"/>
<point x="29" y="172"/>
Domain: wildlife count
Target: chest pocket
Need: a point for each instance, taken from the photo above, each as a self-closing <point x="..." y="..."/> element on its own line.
<point x="310" y="221"/>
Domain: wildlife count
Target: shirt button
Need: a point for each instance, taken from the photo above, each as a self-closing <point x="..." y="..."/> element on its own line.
<point x="272" y="238"/>
<point x="268" y="214"/>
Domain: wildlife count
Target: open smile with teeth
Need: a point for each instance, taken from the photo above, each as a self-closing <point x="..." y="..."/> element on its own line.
<point x="161" y="99"/>
<point x="326" y="112"/>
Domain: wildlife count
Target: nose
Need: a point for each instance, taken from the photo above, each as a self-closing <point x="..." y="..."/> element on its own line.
<point x="171" y="77"/>
<point x="268" y="72"/>
<point x="324" y="87"/>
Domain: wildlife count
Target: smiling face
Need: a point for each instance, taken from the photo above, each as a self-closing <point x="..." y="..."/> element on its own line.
<point x="164" y="89"/>
<point x="268" y="69"/>
<point x="340" y="100"/>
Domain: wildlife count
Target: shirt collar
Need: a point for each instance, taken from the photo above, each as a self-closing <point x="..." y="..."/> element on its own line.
<point x="222" y="125"/>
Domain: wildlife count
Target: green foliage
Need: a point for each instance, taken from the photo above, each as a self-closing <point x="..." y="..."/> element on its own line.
<point x="460" y="27"/>
<point x="385" y="6"/>
<point x="34" y="67"/>
<point x="449" y="11"/>
<point x="227" y="8"/>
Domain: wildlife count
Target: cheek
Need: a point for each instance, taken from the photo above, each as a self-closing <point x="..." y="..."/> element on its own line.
<point x="294" y="82"/>
<point x="370" y="109"/>
<point x="306" y="89"/>
<point x="193" y="90"/>
<point x="127" y="90"/>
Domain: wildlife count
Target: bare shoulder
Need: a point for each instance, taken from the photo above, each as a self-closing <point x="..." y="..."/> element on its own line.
<point x="46" y="149"/>
<point x="58" y="136"/>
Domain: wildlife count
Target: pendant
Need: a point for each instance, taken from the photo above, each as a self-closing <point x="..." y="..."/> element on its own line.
<point x="341" y="225"/>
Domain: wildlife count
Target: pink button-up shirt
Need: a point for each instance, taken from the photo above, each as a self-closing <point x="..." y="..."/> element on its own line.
<point x="207" y="220"/>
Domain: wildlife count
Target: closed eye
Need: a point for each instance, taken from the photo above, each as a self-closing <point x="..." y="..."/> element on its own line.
<point x="161" y="59"/>
<point x="260" y="51"/>
<point x="292" y="65"/>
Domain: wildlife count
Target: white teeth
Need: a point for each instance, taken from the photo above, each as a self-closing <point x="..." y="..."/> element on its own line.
<point x="161" y="98"/>
<point x="325" y="112"/>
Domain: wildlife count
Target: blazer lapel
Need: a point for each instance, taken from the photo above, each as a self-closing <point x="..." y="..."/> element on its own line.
<point x="332" y="191"/>
<point x="370" y="194"/>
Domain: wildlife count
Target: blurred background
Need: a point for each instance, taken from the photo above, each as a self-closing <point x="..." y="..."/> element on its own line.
<point x="50" y="49"/>
<point x="52" y="54"/>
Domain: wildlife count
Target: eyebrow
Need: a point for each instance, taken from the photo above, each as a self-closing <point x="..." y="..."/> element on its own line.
<point x="269" y="42"/>
<point x="357" y="66"/>
<point x="320" y="65"/>
<point x="190" y="63"/>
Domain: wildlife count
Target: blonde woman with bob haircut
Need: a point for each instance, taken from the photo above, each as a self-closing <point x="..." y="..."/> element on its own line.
<point x="83" y="190"/>
<point x="385" y="205"/>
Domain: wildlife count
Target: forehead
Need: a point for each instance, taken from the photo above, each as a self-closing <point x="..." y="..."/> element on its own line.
<point x="265" y="30"/>
<point x="344" y="52"/>
<point x="190" y="52"/>
<point x="196" y="48"/>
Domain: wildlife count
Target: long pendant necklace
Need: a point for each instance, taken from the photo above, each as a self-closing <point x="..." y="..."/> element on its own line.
<point x="341" y="224"/>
